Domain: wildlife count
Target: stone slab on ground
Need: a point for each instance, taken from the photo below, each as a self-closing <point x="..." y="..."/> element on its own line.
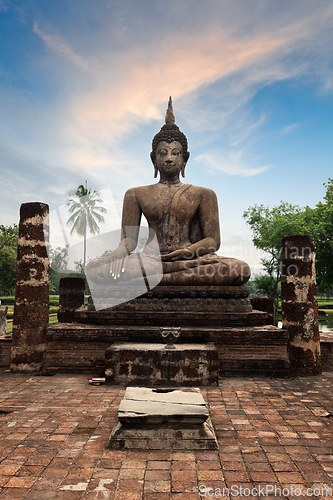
<point x="142" y="405"/>
<point x="163" y="419"/>
<point x="173" y="437"/>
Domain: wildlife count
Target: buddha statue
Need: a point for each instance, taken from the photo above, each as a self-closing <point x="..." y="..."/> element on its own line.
<point x="184" y="232"/>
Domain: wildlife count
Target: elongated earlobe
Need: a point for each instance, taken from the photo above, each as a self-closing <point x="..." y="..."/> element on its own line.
<point x="152" y="157"/>
<point x="186" y="157"/>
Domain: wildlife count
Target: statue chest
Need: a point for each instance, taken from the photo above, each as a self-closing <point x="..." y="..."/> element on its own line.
<point x="161" y="203"/>
<point x="161" y="209"/>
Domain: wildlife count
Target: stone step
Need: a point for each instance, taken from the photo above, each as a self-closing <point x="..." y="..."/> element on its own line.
<point x="164" y="318"/>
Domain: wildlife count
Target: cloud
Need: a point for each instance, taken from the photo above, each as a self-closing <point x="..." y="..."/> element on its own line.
<point x="59" y="46"/>
<point x="212" y="63"/>
<point x="4" y="5"/>
<point x="132" y="87"/>
<point x="146" y="81"/>
<point x="289" y="128"/>
<point x="136" y="91"/>
<point x="230" y="164"/>
<point x="246" y="130"/>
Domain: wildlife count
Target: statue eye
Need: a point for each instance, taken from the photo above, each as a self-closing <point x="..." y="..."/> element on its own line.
<point x="162" y="152"/>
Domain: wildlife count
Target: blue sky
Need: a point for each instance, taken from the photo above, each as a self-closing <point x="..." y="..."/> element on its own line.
<point x="84" y="87"/>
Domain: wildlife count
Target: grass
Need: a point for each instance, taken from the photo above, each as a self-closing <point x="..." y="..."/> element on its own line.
<point x="329" y="312"/>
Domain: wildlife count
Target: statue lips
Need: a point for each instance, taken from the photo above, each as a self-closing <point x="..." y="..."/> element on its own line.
<point x="169" y="167"/>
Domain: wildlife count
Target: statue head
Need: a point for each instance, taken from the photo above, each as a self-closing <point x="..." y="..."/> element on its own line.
<point x="169" y="133"/>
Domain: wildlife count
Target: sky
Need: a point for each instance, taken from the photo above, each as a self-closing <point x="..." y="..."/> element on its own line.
<point x="84" y="88"/>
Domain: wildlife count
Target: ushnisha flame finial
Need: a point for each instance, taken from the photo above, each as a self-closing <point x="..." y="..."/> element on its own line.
<point x="169" y="133"/>
<point x="170" y="117"/>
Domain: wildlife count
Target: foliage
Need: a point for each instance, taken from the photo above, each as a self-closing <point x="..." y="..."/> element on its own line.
<point x="8" y="256"/>
<point x="321" y="220"/>
<point x="265" y="284"/>
<point x="269" y="226"/>
<point x="84" y="212"/>
<point x="107" y="253"/>
<point x="59" y="258"/>
<point x="58" y="262"/>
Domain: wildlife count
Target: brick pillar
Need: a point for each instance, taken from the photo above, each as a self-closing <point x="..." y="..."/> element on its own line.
<point x="31" y="310"/>
<point x="71" y="297"/>
<point x="299" y="304"/>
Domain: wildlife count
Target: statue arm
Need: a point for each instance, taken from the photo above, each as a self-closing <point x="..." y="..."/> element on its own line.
<point x="209" y="220"/>
<point x="129" y="233"/>
<point x="130" y="224"/>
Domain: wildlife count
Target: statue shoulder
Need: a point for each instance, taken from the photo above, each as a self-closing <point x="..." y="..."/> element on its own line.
<point x="130" y="193"/>
<point x="139" y="192"/>
<point x="204" y="192"/>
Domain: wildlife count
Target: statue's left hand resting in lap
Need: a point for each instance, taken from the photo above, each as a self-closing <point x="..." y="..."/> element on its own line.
<point x="183" y="218"/>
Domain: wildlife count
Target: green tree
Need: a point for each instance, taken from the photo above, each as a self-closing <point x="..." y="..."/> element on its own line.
<point x="321" y="221"/>
<point x="58" y="262"/>
<point x="59" y="258"/>
<point x="267" y="285"/>
<point x="269" y="226"/>
<point x="85" y="214"/>
<point x="8" y="257"/>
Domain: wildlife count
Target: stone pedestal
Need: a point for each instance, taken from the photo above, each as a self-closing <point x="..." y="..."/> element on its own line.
<point x="179" y="306"/>
<point x="71" y="297"/>
<point x="155" y="365"/>
<point x="159" y="419"/>
<point x="31" y="310"/>
<point x="299" y="304"/>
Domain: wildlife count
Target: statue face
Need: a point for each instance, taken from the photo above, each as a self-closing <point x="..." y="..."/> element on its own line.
<point x="169" y="158"/>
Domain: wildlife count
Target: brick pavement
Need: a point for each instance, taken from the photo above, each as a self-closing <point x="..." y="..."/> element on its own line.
<point x="270" y="432"/>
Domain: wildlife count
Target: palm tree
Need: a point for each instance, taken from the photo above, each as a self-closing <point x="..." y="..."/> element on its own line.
<point x="84" y="214"/>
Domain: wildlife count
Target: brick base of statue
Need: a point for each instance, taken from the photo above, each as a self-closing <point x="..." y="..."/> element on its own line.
<point x="156" y="364"/>
<point x="246" y="342"/>
<point x="179" y="306"/>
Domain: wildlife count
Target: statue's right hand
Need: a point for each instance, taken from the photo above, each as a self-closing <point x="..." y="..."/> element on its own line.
<point x="118" y="262"/>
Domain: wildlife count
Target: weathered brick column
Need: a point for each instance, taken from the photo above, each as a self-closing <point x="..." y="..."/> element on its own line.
<point x="71" y="298"/>
<point x="299" y="304"/>
<point x="31" y="310"/>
